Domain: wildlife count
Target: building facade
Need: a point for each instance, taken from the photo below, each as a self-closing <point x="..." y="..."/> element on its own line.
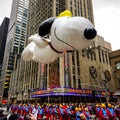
<point x="79" y="74"/>
<point x="15" y="41"/>
<point x="115" y="63"/>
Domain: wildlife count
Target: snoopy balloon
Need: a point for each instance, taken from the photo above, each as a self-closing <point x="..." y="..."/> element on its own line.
<point x="67" y="33"/>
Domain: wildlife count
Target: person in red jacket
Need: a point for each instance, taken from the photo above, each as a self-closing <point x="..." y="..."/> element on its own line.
<point x="61" y="112"/>
<point x="111" y="112"/>
<point x="51" y="112"/>
<point x="117" y="111"/>
<point x="103" y="113"/>
<point x="58" y="112"/>
<point x="97" y="110"/>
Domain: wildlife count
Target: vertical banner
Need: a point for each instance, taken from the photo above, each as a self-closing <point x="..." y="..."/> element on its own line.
<point x="54" y="75"/>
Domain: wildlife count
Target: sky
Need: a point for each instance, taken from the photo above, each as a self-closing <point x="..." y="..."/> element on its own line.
<point x="106" y="18"/>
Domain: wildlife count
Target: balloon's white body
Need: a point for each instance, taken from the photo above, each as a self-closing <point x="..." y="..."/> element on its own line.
<point x="67" y="33"/>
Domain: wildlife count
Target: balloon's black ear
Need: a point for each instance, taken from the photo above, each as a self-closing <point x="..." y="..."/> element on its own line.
<point x="45" y="26"/>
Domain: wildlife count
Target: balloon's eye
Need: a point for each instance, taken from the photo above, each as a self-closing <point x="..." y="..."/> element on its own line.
<point x="90" y="33"/>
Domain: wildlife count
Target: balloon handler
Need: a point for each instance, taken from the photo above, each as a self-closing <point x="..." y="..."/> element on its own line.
<point x="66" y="33"/>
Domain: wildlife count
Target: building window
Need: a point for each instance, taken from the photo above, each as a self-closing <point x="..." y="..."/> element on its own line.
<point x="119" y="81"/>
<point x="118" y="65"/>
<point x="73" y="58"/>
<point x="83" y="53"/>
<point x="73" y="69"/>
<point x="79" y="83"/>
<point x="74" y="81"/>
<point x="103" y="57"/>
<point x="99" y="52"/>
<point x="88" y="55"/>
<point x="78" y="70"/>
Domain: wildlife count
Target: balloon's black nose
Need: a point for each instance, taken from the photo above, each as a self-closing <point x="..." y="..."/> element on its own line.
<point x="90" y="33"/>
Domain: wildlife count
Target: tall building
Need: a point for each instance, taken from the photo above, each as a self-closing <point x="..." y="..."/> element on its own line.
<point x="15" y="41"/>
<point x="79" y="74"/>
<point x="3" y="37"/>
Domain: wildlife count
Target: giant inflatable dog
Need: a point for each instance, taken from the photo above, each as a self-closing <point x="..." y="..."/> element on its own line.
<point x="67" y="33"/>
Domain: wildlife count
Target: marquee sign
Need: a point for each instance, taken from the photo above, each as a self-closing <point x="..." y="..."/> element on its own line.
<point x="61" y="91"/>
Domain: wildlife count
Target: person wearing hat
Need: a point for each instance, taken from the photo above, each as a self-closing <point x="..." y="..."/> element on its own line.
<point x="40" y="113"/>
<point x="97" y="110"/>
<point x="61" y="112"/>
<point x="87" y="113"/>
<point x="58" y="111"/>
<point x="51" y="111"/>
<point x="54" y="111"/>
<point x="68" y="112"/>
<point x="13" y="108"/>
<point x="111" y="113"/>
<point x="19" y="110"/>
<point x="117" y="111"/>
<point x="80" y="115"/>
<point x="47" y="111"/>
<point x="24" y="112"/>
<point x="31" y="108"/>
<point x="72" y="112"/>
<point x="103" y="113"/>
<point x="35" y="111"/>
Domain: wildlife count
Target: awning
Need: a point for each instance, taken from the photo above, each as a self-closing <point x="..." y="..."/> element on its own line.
<point x="59" y="94"/>
<point x="117" y="93"/>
